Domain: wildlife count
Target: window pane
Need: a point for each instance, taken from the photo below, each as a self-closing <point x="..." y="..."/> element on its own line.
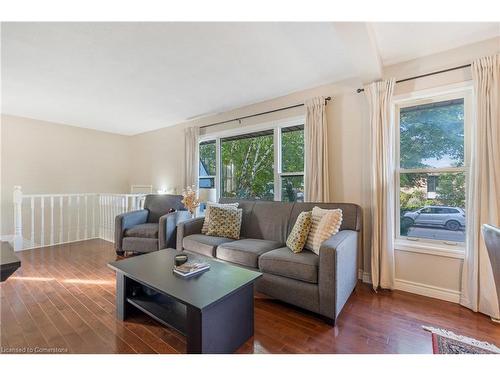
<point x="207" y="159"/>
<point x="207" y="183"/>
<point x="247" y="166"/>
<point x="292" y="188"/>
<point x="292" y="149"/>
<point x="432" y="135"/>
<point x="438" y="215"/>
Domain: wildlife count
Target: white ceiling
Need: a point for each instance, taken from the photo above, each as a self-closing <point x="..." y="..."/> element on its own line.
<point x="129" y="78"/>
<point x="398" y="41"/>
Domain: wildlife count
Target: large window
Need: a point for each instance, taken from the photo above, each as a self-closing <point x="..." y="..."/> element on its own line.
<point x="247" y="166"/>
<point x="431" y="170"/>
<point x="207" y="165"/>
<point x="292" y="164"/>
<point x="267" y="164"/>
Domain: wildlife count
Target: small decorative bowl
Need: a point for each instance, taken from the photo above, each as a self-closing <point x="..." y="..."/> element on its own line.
<point x="180" y="259"/>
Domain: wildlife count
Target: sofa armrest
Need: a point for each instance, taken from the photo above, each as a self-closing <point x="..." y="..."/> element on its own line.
<point x="337" y="271"/>
<point x="125" y="221"/>
<point x="188" y="227"/>
<point x="168" y="227"/>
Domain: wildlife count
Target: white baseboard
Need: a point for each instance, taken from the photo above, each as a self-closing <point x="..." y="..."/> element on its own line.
<point x="28" y="245"/>
<point x="427" y="290"/>
<point x="417" y="288"/>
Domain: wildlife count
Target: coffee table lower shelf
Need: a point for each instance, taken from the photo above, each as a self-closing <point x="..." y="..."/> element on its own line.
<point x="221" y="327"/>
<point x="163" y="309"/>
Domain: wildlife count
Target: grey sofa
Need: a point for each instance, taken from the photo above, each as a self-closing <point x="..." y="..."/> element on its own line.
<point x="151" y="228"/>
<point x="321" y="284"/>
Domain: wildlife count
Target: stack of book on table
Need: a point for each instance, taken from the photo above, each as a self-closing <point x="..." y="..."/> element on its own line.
<point x="189" y="269"/>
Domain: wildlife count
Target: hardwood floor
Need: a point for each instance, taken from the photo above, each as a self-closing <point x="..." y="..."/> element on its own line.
<point x="62" y="299"/>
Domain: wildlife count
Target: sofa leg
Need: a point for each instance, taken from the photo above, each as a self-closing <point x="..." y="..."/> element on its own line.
<point x="329" y="321"/>
<point x="120" y="253"/>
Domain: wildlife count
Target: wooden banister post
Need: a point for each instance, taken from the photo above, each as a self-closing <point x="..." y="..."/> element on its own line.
<point x="18" y="217"/>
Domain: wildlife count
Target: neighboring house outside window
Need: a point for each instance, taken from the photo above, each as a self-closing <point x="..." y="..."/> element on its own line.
<point x="431" y="186"/>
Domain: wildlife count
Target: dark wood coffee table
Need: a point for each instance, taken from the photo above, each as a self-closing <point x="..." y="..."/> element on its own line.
<point x="214" y="309"/>
<point x="9" y="262"/>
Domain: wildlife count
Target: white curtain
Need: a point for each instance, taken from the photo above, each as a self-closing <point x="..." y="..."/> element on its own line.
<point x="191" y="158"/>
<point x="483" y="203"/>
<point x="317" y="186"/>
<point x="379" y="95"/>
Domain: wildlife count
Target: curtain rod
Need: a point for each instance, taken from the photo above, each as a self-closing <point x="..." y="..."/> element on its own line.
<point x="426" y="75"/>
<point x="258" y="114"/>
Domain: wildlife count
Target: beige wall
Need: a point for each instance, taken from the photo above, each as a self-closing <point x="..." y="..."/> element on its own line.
<point x="44" y="157"/>
<point x="48" y="155"/>
<point x="159" y="160"/>
<point x="158" y="155"/>
<point x="443" y="273"/>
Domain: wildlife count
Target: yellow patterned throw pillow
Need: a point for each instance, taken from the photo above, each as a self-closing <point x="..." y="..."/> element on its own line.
<point x="298" y="236"/>
<point x="204" y="229"/>
<point x="225" y="222"/>
<point x="325" y="223"/>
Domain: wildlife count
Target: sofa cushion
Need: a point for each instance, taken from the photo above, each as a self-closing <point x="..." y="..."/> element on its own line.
<point x="245" y="252"/>
<point x="148" y="230"/>
<point x="298" y="236"/>
<point x="204" y="229"/>
<point x="324" y="224"/>
<point x="203" y="244"/>
<point x="247" y="207"/>
<point x="269" y="221"/>
<point x="139" y="245"/>
<point x="351" y="213"/>
<point x="283" y="262"/>
<point x="225" y="222"/>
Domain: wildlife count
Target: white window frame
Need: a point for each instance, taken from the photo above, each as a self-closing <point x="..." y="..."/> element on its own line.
<point x="457" y="91"/>
<point x="209" y="176"/>
<point x="278" y="172"/>
<point x="276" y="127"/>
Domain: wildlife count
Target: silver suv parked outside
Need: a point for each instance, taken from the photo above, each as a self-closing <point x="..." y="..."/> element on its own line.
<point x="452" y="218"/>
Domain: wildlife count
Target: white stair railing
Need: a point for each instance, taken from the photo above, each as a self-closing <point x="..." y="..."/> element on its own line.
<point x="50" y="219"/>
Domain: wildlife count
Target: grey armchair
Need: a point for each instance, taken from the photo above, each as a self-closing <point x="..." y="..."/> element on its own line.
<point x="151" y="228"/>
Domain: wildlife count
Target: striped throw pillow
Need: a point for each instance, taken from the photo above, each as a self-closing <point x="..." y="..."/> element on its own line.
<point x="324" y="224"/>
<point x="206" y="222"/>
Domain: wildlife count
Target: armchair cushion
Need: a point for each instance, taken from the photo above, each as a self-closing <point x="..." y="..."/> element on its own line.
<point x="301" y="266"/>
<point x="161" y="204"/>
<point x="140" y="245"/>
<point x="125" y="221"/>
<point x="148" y="230"/>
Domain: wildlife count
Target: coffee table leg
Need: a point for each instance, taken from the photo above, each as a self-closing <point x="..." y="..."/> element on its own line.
<point x="121" y="296"/>
<point x="224" y="326"/>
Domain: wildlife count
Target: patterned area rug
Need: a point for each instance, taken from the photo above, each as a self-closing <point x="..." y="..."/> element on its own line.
<point x="447" y="342"/>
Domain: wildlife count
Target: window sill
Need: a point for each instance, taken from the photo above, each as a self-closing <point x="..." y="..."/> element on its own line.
<point x="443" y="250"/>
